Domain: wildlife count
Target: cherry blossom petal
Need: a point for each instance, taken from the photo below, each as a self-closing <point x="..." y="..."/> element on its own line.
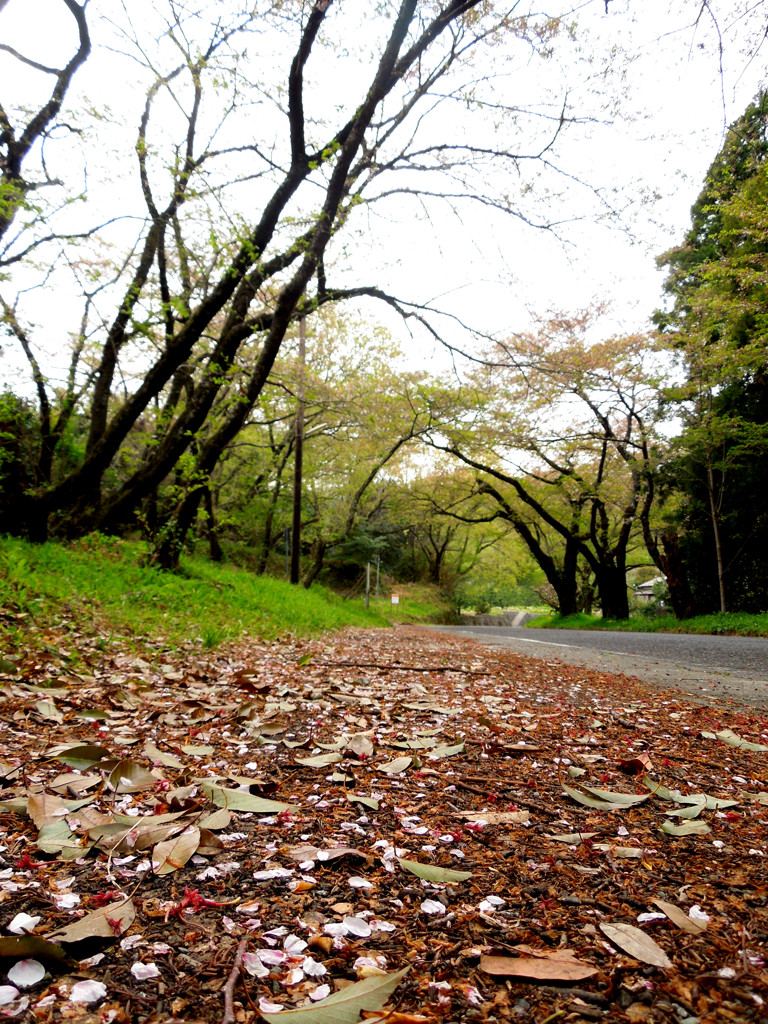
<point x="87" y="991"/>
<point x="267" y="1006"/>
<point x="26" y="973"/>
<point x="143" y="972"/>
<point x="313" y="968"/>
<point x="254" y="966"/>
<point x="357" y="927"/>
<point x="23" y="923"/>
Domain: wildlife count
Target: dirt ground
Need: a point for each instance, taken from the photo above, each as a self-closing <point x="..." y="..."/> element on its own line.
<point x="389" y="823"/>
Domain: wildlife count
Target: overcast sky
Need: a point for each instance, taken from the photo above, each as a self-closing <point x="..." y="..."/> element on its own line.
<point x="661" y="120"/>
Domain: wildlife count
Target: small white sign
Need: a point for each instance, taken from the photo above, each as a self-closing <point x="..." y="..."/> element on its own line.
<point x="395" y="599"/>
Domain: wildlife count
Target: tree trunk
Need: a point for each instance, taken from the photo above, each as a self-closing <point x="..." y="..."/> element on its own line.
<point x="716" y="531"/>
<point x="566" y="590"/>
<point x="671" y="564"/>
<point x="612" y="591"/>
<point x="318" y="550"/>
<point x="214" y="548"/>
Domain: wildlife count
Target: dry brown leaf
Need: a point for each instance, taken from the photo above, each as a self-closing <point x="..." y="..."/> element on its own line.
<point x="537" y="968"/>
<point x="108" y="923"/>
<point x="635" y="765"/>
<point x="494" y="817"/>
<point x="636" y="942"/>
<point x="324" y="853"/>
<point x="679" y="917"/>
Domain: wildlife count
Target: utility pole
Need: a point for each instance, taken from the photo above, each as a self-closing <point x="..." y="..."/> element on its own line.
<point x="298" y="452"/>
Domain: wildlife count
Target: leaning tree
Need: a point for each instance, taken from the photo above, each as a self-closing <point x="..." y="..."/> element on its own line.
<point x="266" y="137"/>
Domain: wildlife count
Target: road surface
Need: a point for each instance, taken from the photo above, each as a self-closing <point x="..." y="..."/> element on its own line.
<point x="729" y="667"/>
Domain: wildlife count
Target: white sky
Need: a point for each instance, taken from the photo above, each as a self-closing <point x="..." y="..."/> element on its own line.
<point x="672" y="100"/>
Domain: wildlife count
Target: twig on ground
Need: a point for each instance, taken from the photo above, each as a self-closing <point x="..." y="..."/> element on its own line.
<point x="229" y="988"/>
<point x="402" y="668"/>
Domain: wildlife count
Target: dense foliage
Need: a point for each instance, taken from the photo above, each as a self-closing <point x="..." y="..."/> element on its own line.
<point x="717" y="324"/>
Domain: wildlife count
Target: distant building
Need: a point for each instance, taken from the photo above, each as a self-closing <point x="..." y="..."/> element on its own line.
<point x="647" y="591"/>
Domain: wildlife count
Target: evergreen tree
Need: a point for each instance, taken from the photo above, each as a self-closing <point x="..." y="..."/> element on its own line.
<point x="718" y="324"/>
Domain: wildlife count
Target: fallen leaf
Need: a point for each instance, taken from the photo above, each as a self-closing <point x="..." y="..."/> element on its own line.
<point x="360" y="745"/>
<point x="45" y="809"/>
<point x="679" y="917"/>
<point x="78" y="755"/>
<point x="732" y="739"/>
<point x="47" y="709"/>
<point x="324" y="853"/>
<point x="450" y="751"/>
<point x="688" y="828"/>
<point x="346" y="1005"/>
<point x="130" y="777"/>
<point x="635" y="765"/>
<point x="397" y="766"/>
<point x="574" y="838"/>
<point x="366" y="801"/>
<point x="108" y="923"/>
<point x="553" y="968"/>
<point x="599" y="798"/>
<point x="24" y="946"/>
<point x="712" y="803"/>
<point x="320" y="760"/>
<point x="634" y="941"/>
<point x="494" y="817"/>
<point x="173" y="854"/>
<point x="242" y="800"/>
<point x="154" y="753"/>
<point x="432" y="873"/>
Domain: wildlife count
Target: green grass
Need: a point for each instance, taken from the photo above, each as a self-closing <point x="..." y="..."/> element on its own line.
<point x="729" y="624"/>
<point x="100" y="582"/>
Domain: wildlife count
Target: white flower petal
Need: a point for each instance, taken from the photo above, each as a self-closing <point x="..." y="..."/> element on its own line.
<point x="7" y="994"/>
<point x="432" y="907"/>
<point x="267" y="1006"/>
<point x="320" y="993"/>
<point x="254" y="966"/>
<point x="360" y="883"/>
<point x="66" y="901"/>
<point x="335" y="928"/>
<point x="22" y="923"/>
<point x="87" y="991"/>
<point x="698" y="914"/>
<point x="143" y="972"/>
<point x="26" y="973"/>
<point x="249" y="908"/>
<point x="271" y="957"/>
<point x="313" y="968"/>
<point x="356" y="926"/>
<point x="381" y="926"/>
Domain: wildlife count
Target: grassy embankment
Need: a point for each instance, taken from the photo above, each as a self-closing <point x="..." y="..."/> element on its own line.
<point x="729" y="624"/>
<point x="100" y="584"/>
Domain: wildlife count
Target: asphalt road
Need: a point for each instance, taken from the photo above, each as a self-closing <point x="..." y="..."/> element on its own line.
<point x="728" y="667"/>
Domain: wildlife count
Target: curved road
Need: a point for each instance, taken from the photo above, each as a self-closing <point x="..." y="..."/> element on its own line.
<point x="731" y="667"/>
